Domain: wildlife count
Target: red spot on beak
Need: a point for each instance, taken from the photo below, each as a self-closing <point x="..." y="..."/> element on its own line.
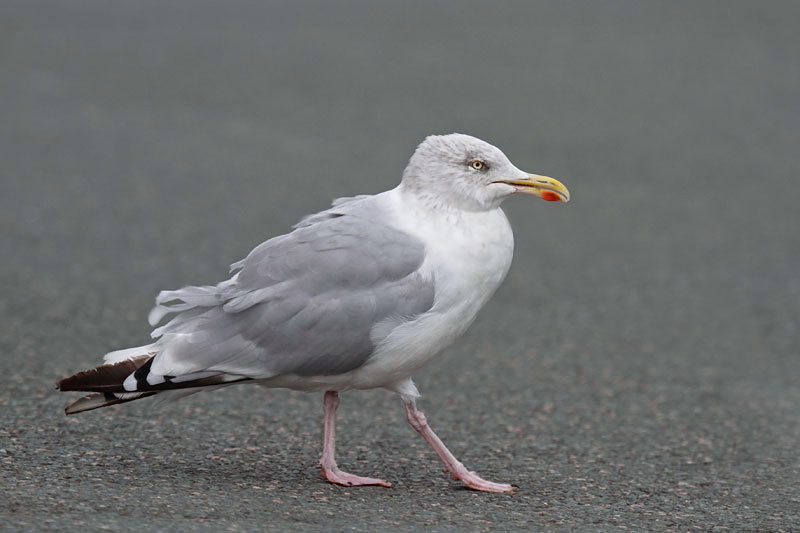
<point x="550" y="196"/>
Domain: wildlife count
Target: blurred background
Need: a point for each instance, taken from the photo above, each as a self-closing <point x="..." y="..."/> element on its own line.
<point x="638" y="368"/>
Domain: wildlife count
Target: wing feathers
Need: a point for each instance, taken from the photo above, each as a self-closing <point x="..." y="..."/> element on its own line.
<point x="104" y="378"/>
<point x="135" y="376"/>
<point x="304" y="303"/>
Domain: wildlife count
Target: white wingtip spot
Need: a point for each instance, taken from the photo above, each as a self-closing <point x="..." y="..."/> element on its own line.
<point x="130" y="383"/>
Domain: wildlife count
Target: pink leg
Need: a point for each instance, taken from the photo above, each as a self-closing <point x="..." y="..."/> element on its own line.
<point x="457" y="470"/>
<point x="327" y="463"/>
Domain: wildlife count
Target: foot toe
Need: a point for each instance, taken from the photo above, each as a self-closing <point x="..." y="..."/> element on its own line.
<point x="334" y="475"/>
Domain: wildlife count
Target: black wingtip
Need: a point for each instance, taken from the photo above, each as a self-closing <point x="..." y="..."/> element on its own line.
<point x="104" y="378"/>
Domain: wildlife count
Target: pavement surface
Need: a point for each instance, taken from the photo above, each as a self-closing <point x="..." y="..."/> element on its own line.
<point x="639" y="369"/>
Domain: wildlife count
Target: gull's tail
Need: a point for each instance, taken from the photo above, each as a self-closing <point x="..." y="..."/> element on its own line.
<point x="131" y="379"/>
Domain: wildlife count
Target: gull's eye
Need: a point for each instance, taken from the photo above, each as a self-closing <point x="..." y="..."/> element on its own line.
<point x="477" y="165"/>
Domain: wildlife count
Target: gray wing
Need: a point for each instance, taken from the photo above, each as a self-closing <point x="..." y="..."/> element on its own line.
<point x="304" y="303"/>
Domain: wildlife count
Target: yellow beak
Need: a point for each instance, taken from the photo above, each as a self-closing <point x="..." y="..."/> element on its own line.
<point x="549" y="189"/>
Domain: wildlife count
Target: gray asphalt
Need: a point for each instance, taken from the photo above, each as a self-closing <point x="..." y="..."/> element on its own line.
<point x="639" y="369"/>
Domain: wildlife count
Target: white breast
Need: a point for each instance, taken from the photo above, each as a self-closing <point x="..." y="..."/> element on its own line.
<point x="468" y="255"/>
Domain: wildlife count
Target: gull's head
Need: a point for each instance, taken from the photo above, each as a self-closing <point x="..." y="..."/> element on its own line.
<point x="461" y="171"/>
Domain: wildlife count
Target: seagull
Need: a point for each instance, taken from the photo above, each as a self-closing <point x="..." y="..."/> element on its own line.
<point x="358" y="296"/>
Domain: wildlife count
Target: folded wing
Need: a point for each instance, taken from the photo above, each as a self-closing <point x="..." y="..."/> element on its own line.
<point x="304" y="303"/>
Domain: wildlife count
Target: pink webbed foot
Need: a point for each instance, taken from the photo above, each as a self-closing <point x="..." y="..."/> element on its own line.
<point x="334" y="475"/>
<point x="475" y="482"/>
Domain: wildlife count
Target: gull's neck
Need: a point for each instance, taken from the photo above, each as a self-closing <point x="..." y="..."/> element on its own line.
<point x="467" y="252"/>
<point x="438" y="223"/>
<point x="427" y="198"/>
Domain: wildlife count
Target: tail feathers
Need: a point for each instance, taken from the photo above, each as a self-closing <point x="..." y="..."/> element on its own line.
<point x="103" y="399"/>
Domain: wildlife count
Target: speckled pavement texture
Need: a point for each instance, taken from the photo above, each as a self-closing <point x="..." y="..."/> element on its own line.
<point x="638" y="370"/>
